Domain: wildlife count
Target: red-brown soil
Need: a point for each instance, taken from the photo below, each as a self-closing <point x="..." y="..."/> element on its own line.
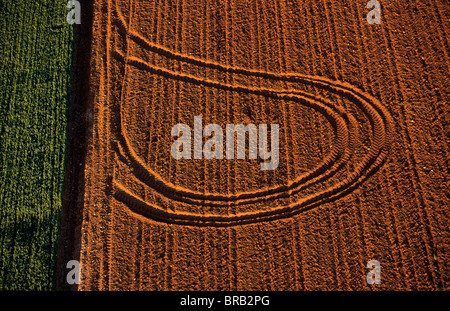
<point x="364" y="146"/>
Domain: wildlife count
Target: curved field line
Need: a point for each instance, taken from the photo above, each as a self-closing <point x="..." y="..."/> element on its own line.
<point x="378" y="116"/>
<point x="148" y="176"/>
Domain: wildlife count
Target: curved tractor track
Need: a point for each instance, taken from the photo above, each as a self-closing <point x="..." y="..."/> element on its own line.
<point x="343" y="122"/>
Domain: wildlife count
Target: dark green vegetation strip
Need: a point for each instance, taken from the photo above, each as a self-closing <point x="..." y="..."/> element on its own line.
<point x="36" y="45"/>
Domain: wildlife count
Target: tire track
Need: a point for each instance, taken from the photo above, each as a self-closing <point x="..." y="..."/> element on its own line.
<point x="413" y="166"/>
<point x="234" y="232"/>
<point x="428" y="79"/>
<point x="337" y="247"/>
<point x="281" y="9"/>
<point x="110" y="239"/>
<point x="294" y="231"/>
<point x="359" y="31"/>
<point x="336" y="219"/>
<point x="152" y="95"/>
<point x="102" y="251"/>
<point x="231" y="239"/>
<point x="170" y="238"/>
<point x="282" y="65"/>
<point x="107" y="244"/>
<point x="296" y="256"/>
<point x="248" y="197"/>
<point x="175" y="94"/>
<point x="356" y="216"/>
<point x="207" y="247"/>
<point x="378" y="116"/>
<point x="395" y="245"/>
<point x="317" y="67"/>
<point x="432" y="81"/>
<point x="263" y="62"/>
<point x="337" y="65"/>
<point x="337" y="120"/>
<point x="376" y="135"/>
<point x="438" y="16"/>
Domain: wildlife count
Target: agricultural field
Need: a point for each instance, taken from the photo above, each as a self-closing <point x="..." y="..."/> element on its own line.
<point x="281" y="145"/>
<point x="358" y="171"/>
<point x="36" y="45"/>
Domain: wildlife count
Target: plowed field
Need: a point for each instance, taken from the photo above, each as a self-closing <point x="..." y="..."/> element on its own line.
<point x="363" y="149"/>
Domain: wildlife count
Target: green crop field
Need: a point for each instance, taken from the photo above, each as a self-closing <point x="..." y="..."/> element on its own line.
<point x="36" y="46"/>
